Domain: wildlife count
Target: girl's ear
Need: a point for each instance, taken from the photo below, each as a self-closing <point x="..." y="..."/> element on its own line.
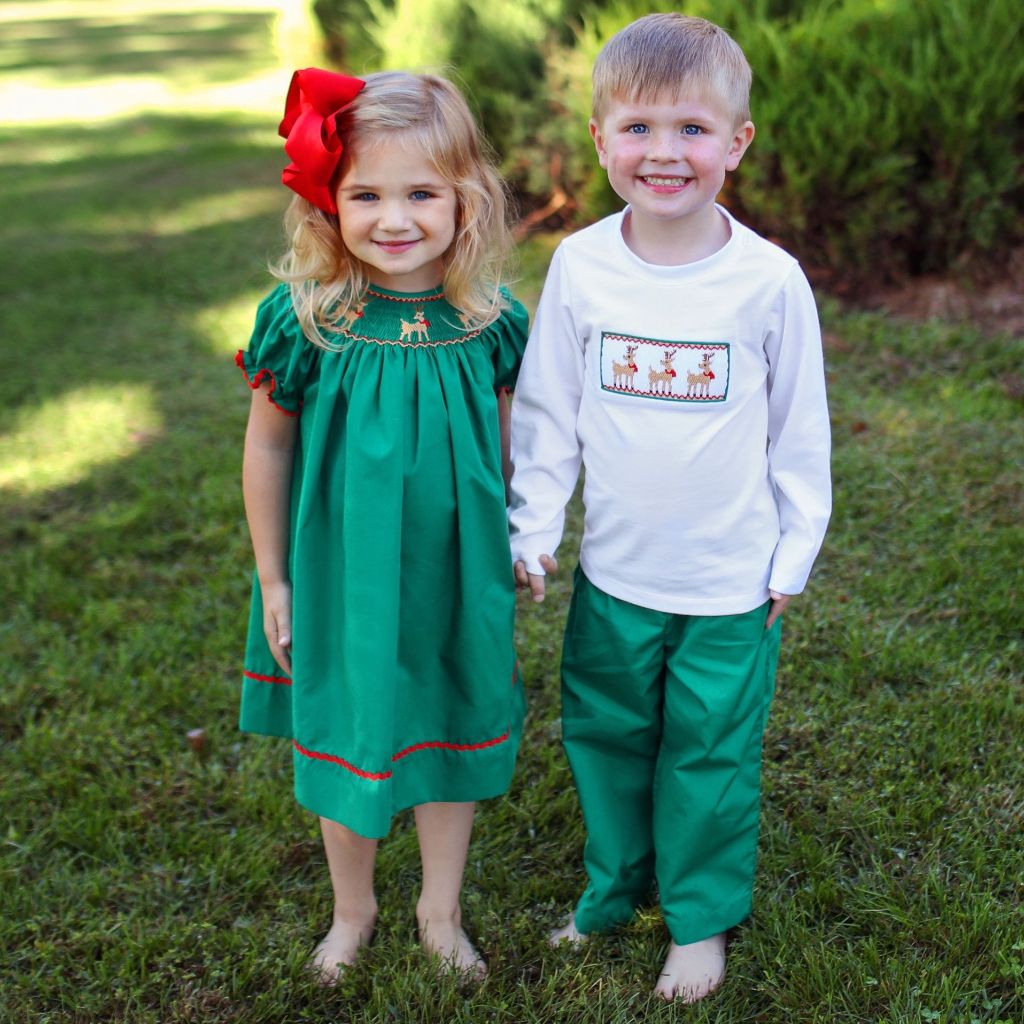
<point x="742" y="138"/>
<point x="598" y="136"/>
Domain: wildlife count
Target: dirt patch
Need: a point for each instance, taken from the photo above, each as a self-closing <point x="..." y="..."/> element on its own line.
<point x="995" y="307"/>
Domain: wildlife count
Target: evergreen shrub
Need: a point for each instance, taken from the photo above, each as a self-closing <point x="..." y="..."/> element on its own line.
<point x="889" y="138"/>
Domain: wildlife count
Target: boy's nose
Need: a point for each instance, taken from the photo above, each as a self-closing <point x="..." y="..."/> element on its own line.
<point x="665" y="146"/>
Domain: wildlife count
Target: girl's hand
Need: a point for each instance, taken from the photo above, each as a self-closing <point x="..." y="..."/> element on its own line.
<point x="534" y="581"/>
<point x="277" y="621"/>
<point x="779" y="602"/>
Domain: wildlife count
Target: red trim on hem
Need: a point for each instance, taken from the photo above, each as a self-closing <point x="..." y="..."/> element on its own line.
<point x="443" y="745"/>
<point x="255" y="382"/>
<point x="282" y="680"/>
<point x="319" y="756"/>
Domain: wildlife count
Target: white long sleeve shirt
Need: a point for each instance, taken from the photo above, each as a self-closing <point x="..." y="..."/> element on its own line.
<point x="694" y="397"/>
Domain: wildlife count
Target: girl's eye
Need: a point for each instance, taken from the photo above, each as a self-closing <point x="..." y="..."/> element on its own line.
<point x="420" y="194"/>
<point x="365" y="197"/>
<point x="692" y="129"/>
<point x="637" y="129"/>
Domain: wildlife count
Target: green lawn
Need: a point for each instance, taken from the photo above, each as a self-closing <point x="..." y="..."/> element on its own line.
<point x="142" y="882"/>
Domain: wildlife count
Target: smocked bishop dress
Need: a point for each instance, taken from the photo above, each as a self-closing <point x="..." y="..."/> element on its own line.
<point x="404" y="687"/>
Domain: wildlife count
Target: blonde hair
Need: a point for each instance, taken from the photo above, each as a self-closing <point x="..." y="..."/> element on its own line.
<point x="328" y="282"/>
<point x="663" y="53"/>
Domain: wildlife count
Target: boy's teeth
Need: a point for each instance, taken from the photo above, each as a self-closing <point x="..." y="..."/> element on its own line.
<point x="664" y="181"/>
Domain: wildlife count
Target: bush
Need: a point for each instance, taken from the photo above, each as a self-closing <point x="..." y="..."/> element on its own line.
<point x="889" y="132"/>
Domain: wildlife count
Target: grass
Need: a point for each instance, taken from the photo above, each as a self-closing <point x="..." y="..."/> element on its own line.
<point x="141" y="881"/>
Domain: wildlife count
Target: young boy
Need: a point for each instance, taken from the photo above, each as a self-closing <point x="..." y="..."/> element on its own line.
<point x="677" y="355"/>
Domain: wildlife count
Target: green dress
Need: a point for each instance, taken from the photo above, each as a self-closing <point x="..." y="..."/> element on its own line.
<point x="404" y="685"/>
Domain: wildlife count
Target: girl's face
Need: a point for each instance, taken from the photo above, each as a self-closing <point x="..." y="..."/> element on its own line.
<point x="396" y="213"/>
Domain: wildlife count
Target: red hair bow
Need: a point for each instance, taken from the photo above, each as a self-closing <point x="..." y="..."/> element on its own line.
<point x="309" y="128"/>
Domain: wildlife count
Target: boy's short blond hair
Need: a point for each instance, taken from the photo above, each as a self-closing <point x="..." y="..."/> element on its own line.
<point x="665" y="53"/>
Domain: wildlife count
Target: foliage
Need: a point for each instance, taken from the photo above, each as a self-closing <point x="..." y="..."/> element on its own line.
<point x="889" y="131"/>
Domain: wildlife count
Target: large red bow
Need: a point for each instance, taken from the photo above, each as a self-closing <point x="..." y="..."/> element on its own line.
<point x="310" y="131"/>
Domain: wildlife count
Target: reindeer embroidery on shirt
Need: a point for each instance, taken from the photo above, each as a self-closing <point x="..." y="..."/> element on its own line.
<point x="697" y="384"/>
<point x="623" y="373"/>
<point x="661" y="380"/>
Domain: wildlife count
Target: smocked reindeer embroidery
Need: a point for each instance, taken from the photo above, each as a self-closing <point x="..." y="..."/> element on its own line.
<point x="661" y="380"/>
<point x="420" y="326"/>
<point x="698" y="384"/>
<point x="623" y="372"/>
<point x="352" y="315"/>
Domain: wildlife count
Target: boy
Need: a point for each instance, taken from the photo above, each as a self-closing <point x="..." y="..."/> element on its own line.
<point x="677" y="356"/>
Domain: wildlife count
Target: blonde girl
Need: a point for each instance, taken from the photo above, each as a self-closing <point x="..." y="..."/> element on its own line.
<point x="380" y="635"/>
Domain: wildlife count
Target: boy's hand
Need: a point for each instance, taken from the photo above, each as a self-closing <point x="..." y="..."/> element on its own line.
<point x="534" y="581"/>
<point x="779" y="602"/>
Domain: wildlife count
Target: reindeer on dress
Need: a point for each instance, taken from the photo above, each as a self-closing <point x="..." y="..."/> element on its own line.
<point x="351" y="315"/>
<point x="419" y="325"/>
<point x="661" y="380"/>
<point x="622" y="373"/>
<point x="699" y="383"/>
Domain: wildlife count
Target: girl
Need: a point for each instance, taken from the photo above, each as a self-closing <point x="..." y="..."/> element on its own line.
<point x="380" y="637"/>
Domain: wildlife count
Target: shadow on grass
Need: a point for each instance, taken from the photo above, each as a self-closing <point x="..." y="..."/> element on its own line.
<point x="119" y="248"/>
<point x="224" y="44"/>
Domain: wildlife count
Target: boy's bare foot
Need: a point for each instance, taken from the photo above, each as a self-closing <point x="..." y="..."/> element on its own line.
<point x="692" y="971"/>
<point x="444" y="938"/>
<point x="338" y="949"/>
<point x="568" y="933"/>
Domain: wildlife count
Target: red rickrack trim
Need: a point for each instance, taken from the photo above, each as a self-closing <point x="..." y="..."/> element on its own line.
<point x="442" y="745"/>
<point x="255" y="382"/>
<point x="404" y="298"/>
<point x="317" y="755"/>
<point x="280" y="680"/>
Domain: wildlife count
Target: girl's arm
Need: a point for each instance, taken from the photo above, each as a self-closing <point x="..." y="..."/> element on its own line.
<point x="266" y="487"/>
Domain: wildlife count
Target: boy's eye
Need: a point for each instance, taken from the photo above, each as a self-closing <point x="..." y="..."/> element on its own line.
<point x="692" y="129"/>
<point x="637" y="129"/>
<point x="421" y="194"/>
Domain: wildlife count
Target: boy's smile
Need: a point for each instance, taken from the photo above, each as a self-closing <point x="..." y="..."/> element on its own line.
<point x="668" y="158"/>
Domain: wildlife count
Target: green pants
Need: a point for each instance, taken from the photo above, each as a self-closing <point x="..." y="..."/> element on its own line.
<point x="662" y="719"/>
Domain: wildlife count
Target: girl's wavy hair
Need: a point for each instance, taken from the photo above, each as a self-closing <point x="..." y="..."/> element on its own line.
<point x="328" y="282"/>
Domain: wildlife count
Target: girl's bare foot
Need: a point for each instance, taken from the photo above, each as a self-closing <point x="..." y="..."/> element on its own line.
<point x="568" y="933"/>
<point x="338" y="949"/>
<point x="692" y="971"/>
<point x="444" y="938"/>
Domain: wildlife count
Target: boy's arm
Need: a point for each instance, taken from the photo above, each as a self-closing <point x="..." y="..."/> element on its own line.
<point x="798" y="434"/>
<point x="545" y="450"/>
<point x="266" y="487"/>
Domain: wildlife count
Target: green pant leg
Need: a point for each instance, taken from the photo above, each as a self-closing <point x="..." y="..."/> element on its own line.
<point x="719" y="682"/>
<point x="612" y="671"/>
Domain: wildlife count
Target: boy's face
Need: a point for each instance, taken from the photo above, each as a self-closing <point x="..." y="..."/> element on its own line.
<point x="668" y="157"/>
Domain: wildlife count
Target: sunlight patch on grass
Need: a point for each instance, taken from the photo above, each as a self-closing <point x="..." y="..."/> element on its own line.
<point x="205" y="211"/>
<point x="62" y="440"/>
<point x="192" y="56"/>
<point x="226" y="327"/>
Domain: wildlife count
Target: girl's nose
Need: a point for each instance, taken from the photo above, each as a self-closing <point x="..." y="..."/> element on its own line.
<point x="393" y="216"/>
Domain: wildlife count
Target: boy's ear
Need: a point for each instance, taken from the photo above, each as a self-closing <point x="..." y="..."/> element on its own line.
<point x="741" y="139"/>
<point x="597" y="135"/>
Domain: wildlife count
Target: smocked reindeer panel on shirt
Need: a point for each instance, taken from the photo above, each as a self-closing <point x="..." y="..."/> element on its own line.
<point x="704" y="365"/>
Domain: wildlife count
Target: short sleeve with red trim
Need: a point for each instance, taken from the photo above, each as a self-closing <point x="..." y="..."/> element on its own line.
<point x="508" y="336"/>
<point x="279" y="354"/>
